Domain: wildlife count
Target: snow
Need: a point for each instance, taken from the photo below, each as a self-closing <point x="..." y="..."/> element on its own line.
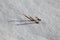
<point x="11" y="14"/>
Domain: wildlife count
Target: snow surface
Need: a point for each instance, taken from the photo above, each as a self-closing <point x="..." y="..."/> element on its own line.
<point x="47" y="10"/>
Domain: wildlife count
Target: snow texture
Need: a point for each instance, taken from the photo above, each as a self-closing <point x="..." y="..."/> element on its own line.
<point x="13" y="26"/>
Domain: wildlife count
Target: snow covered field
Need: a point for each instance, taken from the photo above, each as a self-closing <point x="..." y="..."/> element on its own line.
<point x="47" y="10"/>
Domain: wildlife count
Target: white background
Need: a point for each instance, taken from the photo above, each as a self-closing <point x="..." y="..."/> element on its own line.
<point x="47" y="10"/>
